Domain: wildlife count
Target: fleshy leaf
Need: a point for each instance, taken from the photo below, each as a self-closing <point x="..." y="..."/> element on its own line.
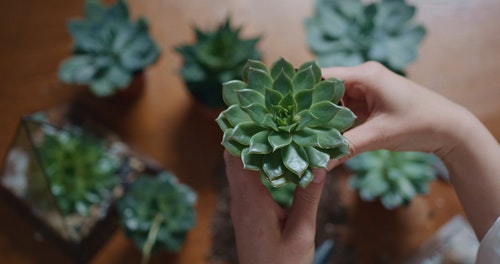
<point x="244" y="131"/>
<point x="279" y="139"/>
<point x="235" y="115"/>
<point x="304" y="99"/>
<point x="328" y="90"/>
<point x="229" y="91"/>
<point x="259" y="80"/>
<point x="283" y="84"/>
<point x="257" y="112"/>
<point x="273" y="98"/>
<point x="273" y="165"/>
<point x="259" y="143"/>
<point x="233" y="147"/>
<point x="304" y="79"/>
<point x="315" y="69"/>
<point x="295" y="159"/>
<point x="342" y="120"/>
<point x="306" y="137"/>
<point x="249" y="96"/>
<point x="282" y="65"/>
<point x="306" y="178"/>
<point x="253" y="64"/>
<point x="323" y="112"/>
<point x="317" y="159"/>
<point x="251" y="161"/>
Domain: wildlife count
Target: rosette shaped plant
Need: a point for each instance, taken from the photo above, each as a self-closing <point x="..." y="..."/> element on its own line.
<point x="347" y="33"/>
<point x="283" y="122"/>
<point x="108" y="49"/>
<point x="157" y="212"/>
<point x="394" y="177"/>
<point x="216" y="57"/>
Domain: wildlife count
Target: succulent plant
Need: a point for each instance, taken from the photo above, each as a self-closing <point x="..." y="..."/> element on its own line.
<point x="108" y="48"/>
<point x="79" y="168"/>
<point x="394" y="177"/>
<point x="283" y="122"/>
<point x="157" y="212"/>
<point x="347" y="33"/>
<point x="217" y="56"/>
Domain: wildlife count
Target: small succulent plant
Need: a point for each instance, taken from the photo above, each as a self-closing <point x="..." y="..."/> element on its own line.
<point x="394" y="177"/>
<point x="347" y="33"/>
<point x="108" y="49"/>
<point x="157" y="212"/>
<point x="80" y="171"/>
<point x="217" y="56"/>
<point x="284" y="121"/>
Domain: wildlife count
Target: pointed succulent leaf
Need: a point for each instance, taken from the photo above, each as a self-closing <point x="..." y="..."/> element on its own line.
<point x="342" y="120"/>
<point x="272" y="99"/>
<point x="315" y="69"/>
<point x="282" y="65"/>
<point x="278" y="182"/>
<point x="251" y="161"/>
<point x="249" y="96"/>
<point x="235" y="115"/>
<point x="244" y="131"/>
<point x="259" y="143"/>
<point x="295" y="159"/>
<point x="306" y="137"/>
<point x="328" y="90"/>
<point x="317" y="159"/>
<point x="323" y="112"/>
<point x="223" y="123"/>
<point x="304" y="99"/>
<point x="279" y="139"/>
<point x="304" y="79"/>
<point x="283" y="84"/>
<point x="306" y="178"/>
<point x="255" y="64"/>
<point x="257" y="112"/>
<point x="230" y="91"/>
<point x="232" y="146"/>
<point x="273" y="165"/>
<point x="259" y="80"/>
<point x="304" y="118"/>
<point x="328" y="139"/>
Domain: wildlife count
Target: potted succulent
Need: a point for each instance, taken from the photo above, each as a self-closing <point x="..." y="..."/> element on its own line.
<point x="63" y="172"/>
<point x="393" y="177"/>
<point x="110" y="52"/>
<point x="283" y="122"/>
<point x="157" y="212"/>
<point x="347" y="33"/>
<point x="217" y="56"/>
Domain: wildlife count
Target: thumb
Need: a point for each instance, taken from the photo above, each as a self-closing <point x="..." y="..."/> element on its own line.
<point x="301" y="219"/>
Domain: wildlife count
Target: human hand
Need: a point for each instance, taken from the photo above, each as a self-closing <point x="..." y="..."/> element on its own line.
<point x="265" y="233"/>
<point x="396" y="113"/>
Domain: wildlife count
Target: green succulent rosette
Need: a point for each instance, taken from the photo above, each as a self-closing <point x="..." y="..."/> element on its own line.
<point x="157" y="212"/>
<point x="393" y="177"/>
<point x="108" y="49"/>
<point x="347" y="33"/>
<point x="284" y="121"/>
<point x="216" y="57"/>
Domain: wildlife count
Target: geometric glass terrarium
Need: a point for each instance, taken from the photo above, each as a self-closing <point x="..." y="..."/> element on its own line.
<point x="63" y="172"/>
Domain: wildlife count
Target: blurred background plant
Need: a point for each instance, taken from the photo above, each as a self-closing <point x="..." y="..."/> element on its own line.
<point x="109" y="49"/>
<point x="157" y="212"/>
<point x="393" y="177"/>
<point x="347" y="33"/>
<point x="217" y="56"/>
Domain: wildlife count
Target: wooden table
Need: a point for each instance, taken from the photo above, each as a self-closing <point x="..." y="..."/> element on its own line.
<point x="459" y="58"/>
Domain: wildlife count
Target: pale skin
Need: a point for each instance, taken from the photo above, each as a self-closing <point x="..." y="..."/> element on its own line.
<point x="395" y="114"/>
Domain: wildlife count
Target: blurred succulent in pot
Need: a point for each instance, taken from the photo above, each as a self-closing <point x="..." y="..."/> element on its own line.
<point x="394" y="177"/>
<point x="216" y="57"/>
<point x="108" y="49"/>
<point x="283" y="122"/>
<point x="347" y="33"/>
<point x="157" y="212"/>
<point x="80" y="170"/>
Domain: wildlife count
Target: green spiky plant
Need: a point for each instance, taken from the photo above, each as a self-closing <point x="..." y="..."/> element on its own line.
<point x="109" y="49"/>
<point x="157" y="212"/>
<point x="393" y="177"/>
<point x="347" y="33"/>
<point x="80" y="170"/>
<point x="283" y="122"/>
<point x="216" y="57"/>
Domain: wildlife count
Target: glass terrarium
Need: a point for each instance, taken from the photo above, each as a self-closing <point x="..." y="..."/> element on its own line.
<point x="64" y="172"/>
